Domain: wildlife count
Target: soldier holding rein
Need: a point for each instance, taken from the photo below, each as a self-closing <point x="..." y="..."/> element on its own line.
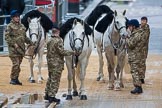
<point x="15" y="36"/>
<point x="55" y="62"/>
<point x="135" y="44"/>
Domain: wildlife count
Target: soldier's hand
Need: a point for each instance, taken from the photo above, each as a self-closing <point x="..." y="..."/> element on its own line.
<point x="76" y="53"/>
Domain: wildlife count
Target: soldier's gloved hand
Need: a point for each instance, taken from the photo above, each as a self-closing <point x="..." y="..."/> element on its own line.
<point x="77" y="53"/>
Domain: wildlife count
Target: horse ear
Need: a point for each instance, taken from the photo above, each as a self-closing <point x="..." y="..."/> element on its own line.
<point x="124" y="12"/>
<point x="74" y="22"/>
<point x="39" y="19"/>
<point x="29" y="20"/>
<point x="115" y="13"/>
<point x="82" y="22"/>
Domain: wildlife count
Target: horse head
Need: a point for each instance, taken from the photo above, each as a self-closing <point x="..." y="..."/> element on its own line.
<point x="77" y="36"/>
<point x="34" y="29"/>
<point x="120" y="23"/>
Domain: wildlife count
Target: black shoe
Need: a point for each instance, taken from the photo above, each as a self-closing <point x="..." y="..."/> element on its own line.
<point x="53" y="99"/>
<point x="142" y="81"/>
<point x="46" y="96"/>
<point x="15" y="82"/>
<point x="18" y="82"/>
<point x="137" y="90"/>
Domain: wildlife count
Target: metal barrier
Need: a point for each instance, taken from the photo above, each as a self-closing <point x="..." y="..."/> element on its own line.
<point x="57" y="11"/>
<point x="47" y="9"/>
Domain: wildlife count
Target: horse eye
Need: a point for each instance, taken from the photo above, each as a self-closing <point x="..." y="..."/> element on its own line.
<point x="117" y="22"/>
<point x="83" y="33"/>
<point x="72" y="32"/>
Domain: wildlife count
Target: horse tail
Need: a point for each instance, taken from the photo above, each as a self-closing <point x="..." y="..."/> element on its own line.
<point x="77" y="71"/>
<point x="126" y="66"/>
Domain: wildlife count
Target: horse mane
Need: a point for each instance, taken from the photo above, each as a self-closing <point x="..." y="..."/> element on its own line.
<point x="45" y="20"/>
<point x="67" y="26"/>
<point x="127" y="20"/>
<point x="97" y="12"/>
<point x="104" y="23"/>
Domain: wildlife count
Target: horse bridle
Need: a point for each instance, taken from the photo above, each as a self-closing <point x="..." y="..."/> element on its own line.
<point x="75" y="58"/>
<point x="120" y="42"/>
<point x="73" y="40"/>
<point x="38" y="35"/>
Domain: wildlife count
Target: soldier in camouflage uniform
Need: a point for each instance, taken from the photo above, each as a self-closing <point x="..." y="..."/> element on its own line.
<point x="15" y="36"/>
<point x="55" y="61"/>
<point x="145" y="27"/>
<point x="135" y="44"/>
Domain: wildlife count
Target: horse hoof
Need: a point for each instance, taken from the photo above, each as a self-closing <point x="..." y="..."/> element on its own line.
<point x="110" y="87"/>
<point x="32" y="81"/>
<point x="75" y="93"/>
<point x="69" y="97"/>
<point x="121" y="85"/>
<point x="83" y="97"/>
<point x="117" y="89"/>
<point x="40" y="82"/>
<point x="64" y="95"/>
<point x="98" y="78"/>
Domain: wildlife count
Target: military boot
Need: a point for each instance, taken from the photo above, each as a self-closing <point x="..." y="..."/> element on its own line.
<point x="18" y="82"/>
<point x="13" y="82"/>
<point x="53" y="99"/>
<point x="142" y="81"/>
<point x="137" y="90"/>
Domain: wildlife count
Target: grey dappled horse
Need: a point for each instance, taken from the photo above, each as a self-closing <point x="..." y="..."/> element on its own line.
<point x="36" y="33"/>
<point x="113" y="43"/>
<point x="77" y="40"/>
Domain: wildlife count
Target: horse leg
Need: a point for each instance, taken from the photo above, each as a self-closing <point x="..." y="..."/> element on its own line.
<point x="117" y="81"/>
<point x="109" y="53"/>
<point x="75" y="92"/>
<point x="70" y="77"/>
<point x="122" y="67"/>
<point x="83" y="67"/>
<point x="101" y="63"/>
<point x="31" y="78"/>
<point x="40" y="59"/>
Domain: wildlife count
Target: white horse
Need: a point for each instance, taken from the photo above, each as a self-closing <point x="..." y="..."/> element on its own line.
<point x="36" y="33"/>
<point x="114" y="46"/>
<point x="77" y="40"/>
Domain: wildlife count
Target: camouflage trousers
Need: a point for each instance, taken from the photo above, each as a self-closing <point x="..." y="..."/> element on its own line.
<point x="143" y="69"/>
<point x="53" y="82"/>
<point x="16" y="61"/>
<point x="136" y="71"/>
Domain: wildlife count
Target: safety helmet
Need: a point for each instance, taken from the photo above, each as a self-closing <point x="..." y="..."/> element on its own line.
<point x="14" y="13"/>
<point x="133" y="22"/>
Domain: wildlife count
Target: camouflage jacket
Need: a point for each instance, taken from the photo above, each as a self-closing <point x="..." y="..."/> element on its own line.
<point x="56" y="53"/>
<point x="146" y="30"/>
<point x="15" y="34"/>
<point x="135" y="45"/>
